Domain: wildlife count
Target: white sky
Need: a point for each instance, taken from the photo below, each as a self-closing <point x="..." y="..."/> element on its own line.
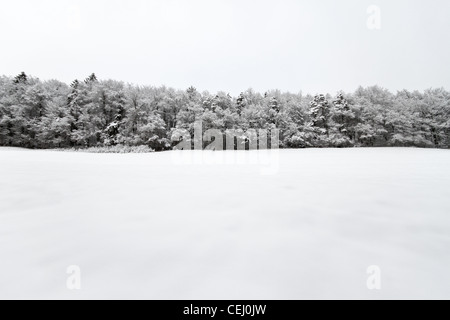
<point x="230" y="45"/>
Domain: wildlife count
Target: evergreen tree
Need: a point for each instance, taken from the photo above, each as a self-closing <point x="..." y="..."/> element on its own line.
<point x="21" y="78"/>
<point x="343" y="121"/>
<point x="91" y="79"/>
<point x="320" y="113"/>
<point x="240" y="103"/>
<point x="73" y="105"/>
<point x="318" y="129"/>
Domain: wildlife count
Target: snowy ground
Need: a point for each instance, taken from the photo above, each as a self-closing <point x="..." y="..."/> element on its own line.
<point x="146" y="226"/>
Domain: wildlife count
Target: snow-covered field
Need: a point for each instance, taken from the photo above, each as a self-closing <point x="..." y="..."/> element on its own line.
<point x="148" y="226"/>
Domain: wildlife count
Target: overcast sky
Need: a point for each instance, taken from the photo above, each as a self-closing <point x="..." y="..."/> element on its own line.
<point x="231" y="45"/>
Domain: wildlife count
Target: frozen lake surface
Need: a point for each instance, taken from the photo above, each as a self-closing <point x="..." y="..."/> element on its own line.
<point x="153" y="226"/>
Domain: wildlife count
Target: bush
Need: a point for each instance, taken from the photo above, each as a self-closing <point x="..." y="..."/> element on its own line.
<point x="115" y="149"/>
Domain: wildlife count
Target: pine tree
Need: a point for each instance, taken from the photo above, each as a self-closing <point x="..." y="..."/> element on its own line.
<point x="73" y="105"/>
<point x="319" y="114"/>
<point x="92" y="78"/>
<point x="192" y="93"/>
<point x="112" y="130"/>
<point x="274" y="105"/>
<point x="342" y="122"/>
<point x="240" y="103"/>
<point x="21" y="78"/>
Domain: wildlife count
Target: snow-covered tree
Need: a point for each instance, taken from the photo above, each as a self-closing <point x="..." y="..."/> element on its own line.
<point x="317" y="131"/>
<point x="343" y="121"/>
<point x="51" y="114"/>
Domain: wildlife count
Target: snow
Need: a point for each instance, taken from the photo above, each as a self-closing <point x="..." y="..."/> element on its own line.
<point x="148" y="226"/>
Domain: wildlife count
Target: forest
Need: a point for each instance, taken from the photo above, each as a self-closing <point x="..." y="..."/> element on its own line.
<point x="95" y="113"/>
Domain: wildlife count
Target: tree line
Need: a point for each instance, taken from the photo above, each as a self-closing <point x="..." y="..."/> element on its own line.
<point x="93" y="113"/>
